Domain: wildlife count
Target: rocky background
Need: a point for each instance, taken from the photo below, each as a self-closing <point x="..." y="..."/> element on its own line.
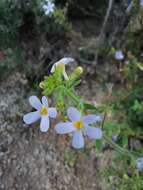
<point x="31" y="160"/>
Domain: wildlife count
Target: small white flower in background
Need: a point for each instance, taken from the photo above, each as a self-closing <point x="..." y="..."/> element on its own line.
<point x="119" y="55"/>
<point x="115" y="138"/>
<point x="43" y="112"/>
<point x="141" y="3"/>
<point x="127" y="62"/>
<point x="141" y="54"/>
<point x="79" y="126"/>
<point x="62" y="62"/>
<point x="140" y="164"/>
<point x="48" y="7"/>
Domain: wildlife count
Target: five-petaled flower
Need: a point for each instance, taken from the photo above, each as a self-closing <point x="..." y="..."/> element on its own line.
<point x="48" y="8"/>
<point x="43" y="112"/>
<point x="119" y="55"/>
<point x="61" y="63"/>
<point x="79" y="126"/>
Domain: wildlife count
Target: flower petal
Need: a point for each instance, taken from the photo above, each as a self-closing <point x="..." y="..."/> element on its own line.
<point x="93" y="132"/>
<point x="78" y="140"/>
<point x="45" y="101"/>
<point x="119" y="55"/>
<point x="45" y="7"/>
<point x="64" y="128"/>
<point x="53" y="68"/>
<point x="73" y="114"/>
<point x="64" y="60"/>
<point x="52" y="112"/>
<point x="89" y="119"/>
<point x="44" y="125"/>
<point x="47" y="12"/>
<point x="31" y="117"/>
<point x="35" y="102"/>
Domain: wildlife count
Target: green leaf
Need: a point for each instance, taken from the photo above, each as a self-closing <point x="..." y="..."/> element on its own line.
<point x="89" y="106"/>
<point x="98" y="144"/>
<point x="111" y="126"/>
<point x="125" y="141"/>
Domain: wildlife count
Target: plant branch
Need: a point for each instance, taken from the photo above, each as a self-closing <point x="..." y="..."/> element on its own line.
<point x="105" y="21"/>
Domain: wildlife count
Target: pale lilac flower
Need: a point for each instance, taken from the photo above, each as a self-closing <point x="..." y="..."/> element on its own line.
<point x="141" y="3"/>
<point x="43" y="112"/>
<point x="62" y="62"/>
<point x="119" y="55"/>
<point x="115" y="138"/>
<point x="79" y="126"/>
<point x="48" y="7"/>
<point x="140" y="164"/>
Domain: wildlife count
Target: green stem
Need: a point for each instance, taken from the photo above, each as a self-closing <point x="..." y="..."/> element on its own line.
<point x="120" y="149"/>
<point x="115" y="145"/>
<point x="74" y="97"/>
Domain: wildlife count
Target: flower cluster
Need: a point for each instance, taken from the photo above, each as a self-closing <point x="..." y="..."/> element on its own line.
<point x="78" y="125"/>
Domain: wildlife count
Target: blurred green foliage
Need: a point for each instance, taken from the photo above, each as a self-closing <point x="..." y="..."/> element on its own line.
<point x="84" y="8"/>
<point x="122" y="176"/>
<point x="25" y="20"/>
<point x="133" y="106"/>
<point x="13" y="59"/>
<point x="10" y="20"/>
<point x="17" y="16"/>
<point x="56" y="25"/>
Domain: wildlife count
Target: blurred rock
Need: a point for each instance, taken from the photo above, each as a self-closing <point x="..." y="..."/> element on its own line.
<point x="30" y="160"/>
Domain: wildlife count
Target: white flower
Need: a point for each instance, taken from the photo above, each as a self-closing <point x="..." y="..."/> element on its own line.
<point x="79" y="125"/>
<point x="141" y="3"/>
<point x="43" y="112"/>
<point x="48" y="8"/>
<point x="119" y="55"/>
<point x="139" y="162"/>
<point x="62" y="62"/>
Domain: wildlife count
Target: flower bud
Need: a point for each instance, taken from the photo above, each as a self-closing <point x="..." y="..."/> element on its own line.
<point x="60" y="105"/>
<point x="41" y="85"/>
<point x="78" y="71"/>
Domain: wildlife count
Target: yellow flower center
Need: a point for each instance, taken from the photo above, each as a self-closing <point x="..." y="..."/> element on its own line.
<point x="44" y="111"/>
<point x="78" y="124"/>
